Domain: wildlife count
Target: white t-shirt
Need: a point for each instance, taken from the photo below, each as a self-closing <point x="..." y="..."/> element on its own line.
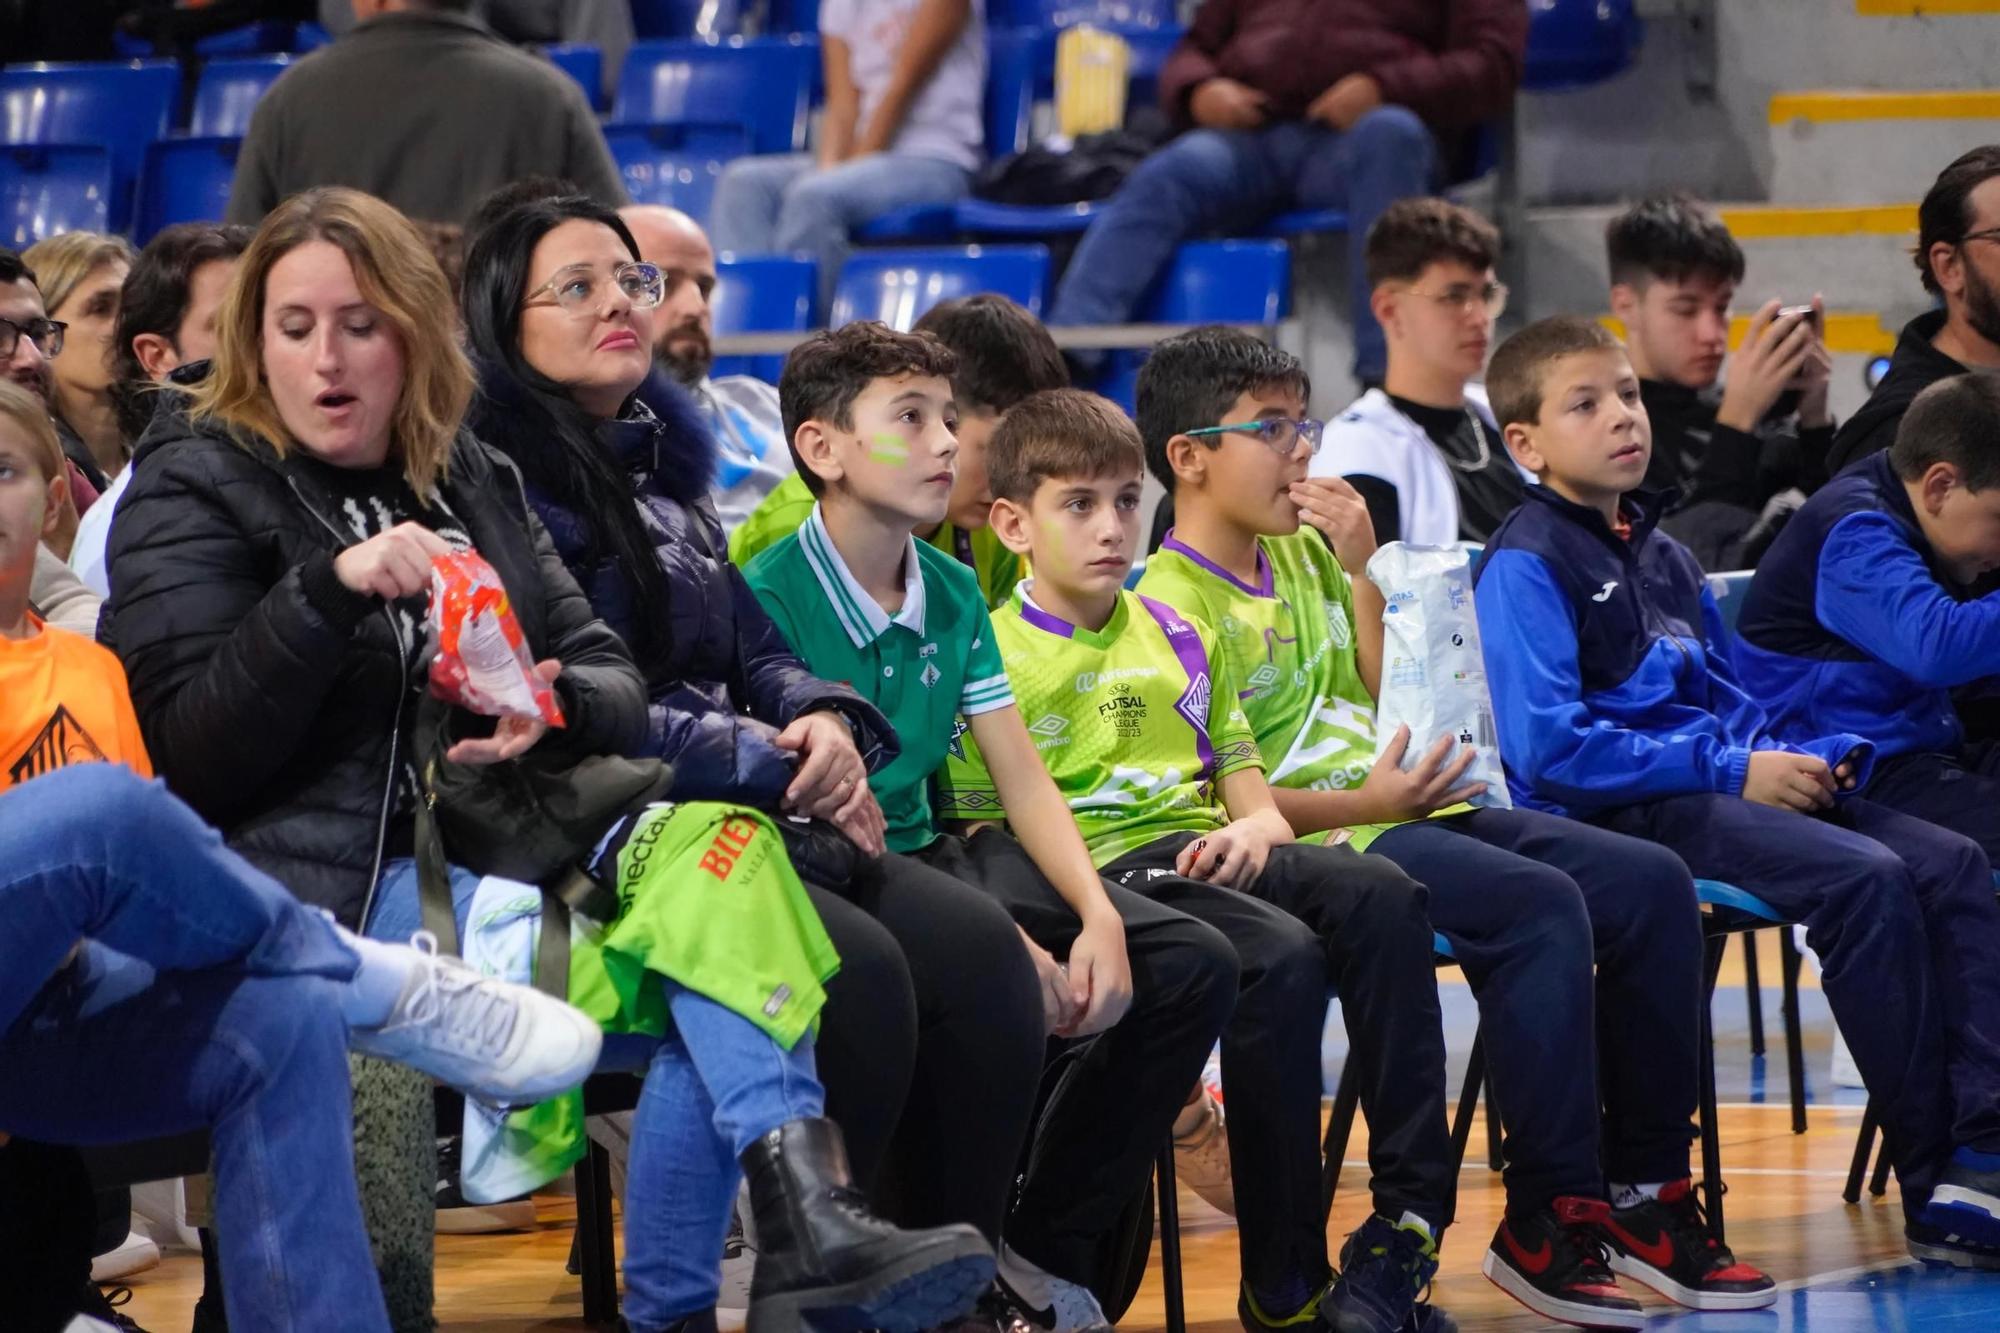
<point x="945" y="120"/>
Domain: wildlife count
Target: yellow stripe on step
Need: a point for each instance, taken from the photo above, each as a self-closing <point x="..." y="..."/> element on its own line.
<point x="1756" y="222"/>
<point x="1898" y="9"/>
<point x="1848" y="332"/>
<point x="1824" y="107"/>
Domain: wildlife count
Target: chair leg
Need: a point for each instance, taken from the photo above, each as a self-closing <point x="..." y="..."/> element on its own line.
<point x="1864" y="1147"/>
<point x="1170" y="1241"/>
<point x="1878" y="1184"/>
<point x="1468" y="1103"/>
<point x="1795" y="1055"/>
<point x="593" y="1235"/>
<point x="1711" y="1142"/>
<point x="1339" y="1129"/>
<point x="1753" y="992"/>
<point x="1496" y="1159"/>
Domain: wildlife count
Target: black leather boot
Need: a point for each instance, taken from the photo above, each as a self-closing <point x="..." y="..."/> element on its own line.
<point x="825" y="1262"/>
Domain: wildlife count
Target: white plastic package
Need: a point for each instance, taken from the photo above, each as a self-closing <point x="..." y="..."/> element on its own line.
<point x="1433" y="677"/>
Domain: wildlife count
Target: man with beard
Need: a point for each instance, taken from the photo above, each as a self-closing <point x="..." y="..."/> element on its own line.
<point x="749" y="432"/>
<point x="1958" y="254"/>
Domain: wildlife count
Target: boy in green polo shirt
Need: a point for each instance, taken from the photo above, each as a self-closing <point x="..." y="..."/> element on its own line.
<point x="1531" y="903"/>
<point x="1136" y="716"/>
<point x="870" y="417"/>
<point x="1004" y="354"/>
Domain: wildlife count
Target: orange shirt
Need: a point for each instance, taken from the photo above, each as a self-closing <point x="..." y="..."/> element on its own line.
<point x="63" y="701"/>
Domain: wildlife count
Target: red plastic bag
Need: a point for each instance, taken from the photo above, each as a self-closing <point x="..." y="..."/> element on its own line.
<point x="482" y="663"/>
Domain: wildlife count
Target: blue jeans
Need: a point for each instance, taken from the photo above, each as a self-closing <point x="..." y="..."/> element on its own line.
<point x="205" y="997"/>
<point x="1228" y="182"/>
<point x="784" y="204"/>
<point x="713" y="1087"/>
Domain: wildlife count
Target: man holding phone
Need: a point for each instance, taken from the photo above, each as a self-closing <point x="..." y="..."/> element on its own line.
<point x="1744" y="454"/>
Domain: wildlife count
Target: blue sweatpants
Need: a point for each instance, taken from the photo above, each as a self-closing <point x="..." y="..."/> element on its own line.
<point x="1902" y="915"/>
<point x="1530" y="902"/>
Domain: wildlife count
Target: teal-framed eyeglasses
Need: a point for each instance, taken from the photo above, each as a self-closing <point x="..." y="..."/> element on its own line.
<point x="1282" y="434"/>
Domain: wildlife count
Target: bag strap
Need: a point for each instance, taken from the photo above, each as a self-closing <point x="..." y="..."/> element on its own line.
<point x="552" y="950"/>
<point x="1193" y="656"/>
<point x="439" y="915"/>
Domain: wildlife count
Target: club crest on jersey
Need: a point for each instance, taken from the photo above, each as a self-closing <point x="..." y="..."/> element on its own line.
<point x="1336" y="624"/>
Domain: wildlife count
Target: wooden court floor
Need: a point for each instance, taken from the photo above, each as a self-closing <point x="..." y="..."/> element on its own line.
<point x="1784" y="1211"/>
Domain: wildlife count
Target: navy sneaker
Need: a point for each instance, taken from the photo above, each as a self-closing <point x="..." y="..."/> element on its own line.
<point x="1939" y="1245"/>
<point x="1665" y="1243"/>
<point x="1385" y="1272"/>
<point x="1967" y="1197"/>
<point x="1554" y="1262"/>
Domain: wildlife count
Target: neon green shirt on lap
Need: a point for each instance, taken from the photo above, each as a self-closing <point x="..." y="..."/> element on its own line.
<point x="1134" y="723"/>
<point x="931" y="662"/>
<point x="785" y="508"/>
<point x="1290" y="641"/>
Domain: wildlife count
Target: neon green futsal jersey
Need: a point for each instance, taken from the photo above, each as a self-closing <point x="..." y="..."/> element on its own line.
<point x="1289" y="641"/>
<point x="1133" y="721"/>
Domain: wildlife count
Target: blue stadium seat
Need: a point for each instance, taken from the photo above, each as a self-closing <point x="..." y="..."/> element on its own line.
<point x="582" y="62"/>
<point x="250" y="39"/>
<point x="311" y="37"/>
<point x="1221" y="282"/>
<point x="1715" y="893"/>
<point x="761" y="294"/>
<point x="687" y="18"/>
<point x="122" y="107"/>
<point x="52" y="189"/>
<point x="229" y="91"/>
<point x="1150" y="48"/>
<point x="1576" y="43"/>
<point x="762" y="84"/>
<point x="185" y="180"/>
<point x="660" y="168"/>
<point x="792" y="16"/>
<point x="1729" y="591"/>
<point x="898" y="286"/>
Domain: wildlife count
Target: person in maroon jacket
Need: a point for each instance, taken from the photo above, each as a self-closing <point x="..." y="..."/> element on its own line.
<point x="1348" y="104"/>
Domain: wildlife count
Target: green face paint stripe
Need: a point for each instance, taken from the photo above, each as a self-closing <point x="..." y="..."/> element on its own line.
<point x="886" y="448"/>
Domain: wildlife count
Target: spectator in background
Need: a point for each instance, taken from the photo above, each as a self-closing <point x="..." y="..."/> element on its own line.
<point x="1423" y="450"/>
<point x="1348" y="104"/>
<point x="1958" y="255"/>
<point x="166" y="319"/>
<point x="29" y="340"/>
<point x="750" y="453"/>
<point x="1742" y="456"/>
<point x="426" y="108"/>
<point x="599" y="23"/>
<point x="905" y="82"/>
<point x="79" y="274"/>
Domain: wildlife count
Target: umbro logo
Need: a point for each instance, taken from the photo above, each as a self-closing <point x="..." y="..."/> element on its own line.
<point x="1051" y="724"/>
<point x="1263" y="675"/>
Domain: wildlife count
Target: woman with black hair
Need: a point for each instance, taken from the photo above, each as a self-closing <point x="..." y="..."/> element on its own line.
<point x="562" y="350"/>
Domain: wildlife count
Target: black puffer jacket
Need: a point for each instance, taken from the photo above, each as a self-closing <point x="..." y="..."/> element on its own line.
<point x="731" y="681"/>
<point x="274" y="700"/>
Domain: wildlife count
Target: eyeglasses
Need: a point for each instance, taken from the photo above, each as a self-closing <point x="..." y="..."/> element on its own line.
<point x="1282" y="434"/>
<point x="1990" y="234"/>
<point x="1464" y="297"/>
<point x="45" y="334"/>
<point x="579" y="288"/>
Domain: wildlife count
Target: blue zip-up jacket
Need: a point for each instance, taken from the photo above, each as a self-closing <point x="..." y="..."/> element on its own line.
<point x="1852" y="625"/>
<point x="1610" y="665"/>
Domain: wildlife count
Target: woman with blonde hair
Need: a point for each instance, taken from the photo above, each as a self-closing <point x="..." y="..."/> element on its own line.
<point x="272" y="557"/>
<point x="80" y="274"/>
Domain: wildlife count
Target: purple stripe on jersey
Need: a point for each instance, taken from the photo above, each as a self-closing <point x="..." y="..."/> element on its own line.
<point x="1193" y="703"/>
<point x="1041" y="619"/>
<point x="1266" y="583"/>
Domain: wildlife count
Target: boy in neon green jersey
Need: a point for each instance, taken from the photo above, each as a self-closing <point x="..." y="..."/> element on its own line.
<point x="1136" y="716"/>
<point x="1529" y="901"/>
<point x="1004" y="354"/>
<point x="869" y="414"/>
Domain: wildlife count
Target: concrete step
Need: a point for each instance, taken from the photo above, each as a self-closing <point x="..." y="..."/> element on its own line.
<point x="1870" y="146"/>
<point x="1857" y="256"/>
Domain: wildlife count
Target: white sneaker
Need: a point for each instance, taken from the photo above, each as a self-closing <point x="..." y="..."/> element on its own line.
<point x="499" y="1043"/>
<point x="1054" y="1304"/>
<point x="739" y="1265"/>
<point x="135" y="1254"/>
<point x="1201" y="1157"/>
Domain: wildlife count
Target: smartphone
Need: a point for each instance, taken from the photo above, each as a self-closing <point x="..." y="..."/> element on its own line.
<point x="1805" y="312"/>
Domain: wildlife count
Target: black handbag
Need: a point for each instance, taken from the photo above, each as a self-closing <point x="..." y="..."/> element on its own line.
<point x="529" y="819"/>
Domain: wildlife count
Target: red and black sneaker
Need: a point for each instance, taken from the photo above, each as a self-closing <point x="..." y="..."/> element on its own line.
<point x="1666" y="1244"/>
<point x="1553" y="1262"/>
